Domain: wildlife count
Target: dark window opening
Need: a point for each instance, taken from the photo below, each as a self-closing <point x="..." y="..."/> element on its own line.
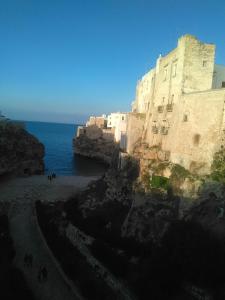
<point x="223" y="84"/>
<point x="26" y="171"/>
<point x="204" y="63"/>
<point x="185" y="118"/>
<point x="196" y="139"/>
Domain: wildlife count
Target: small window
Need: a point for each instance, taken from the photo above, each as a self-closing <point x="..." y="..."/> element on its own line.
<point x="165" y="73"/>
<point x="223" y="84"/>
<point x="163" y="99"/>
<point x="122" y="118"/>
<point x="196" y="139"/>
<point x="174" y="69"/>
<point x="204" y="63"/>
<point x="171" y="99"/>
<point x="185" y="118"/>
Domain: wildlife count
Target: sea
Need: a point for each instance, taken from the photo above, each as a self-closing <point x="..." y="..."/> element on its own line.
<point x="59" y="157"/>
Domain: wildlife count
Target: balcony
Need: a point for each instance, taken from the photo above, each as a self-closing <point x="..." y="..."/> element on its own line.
<point x="169" y="107"/>
<point x="164" y="130"/>
<point x="155" y="129"/>
<point x="160" y="108"/>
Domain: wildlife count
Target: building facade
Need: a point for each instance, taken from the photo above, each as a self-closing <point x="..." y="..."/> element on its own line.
<point x="179" y="106"/>
<point x="118" y="121"/>
<point x="99" y="121"/>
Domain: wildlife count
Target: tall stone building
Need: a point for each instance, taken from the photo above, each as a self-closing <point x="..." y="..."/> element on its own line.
<point x="179" y="106"/>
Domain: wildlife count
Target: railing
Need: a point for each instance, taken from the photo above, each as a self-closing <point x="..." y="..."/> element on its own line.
<point x="164" y="130"/>
<point x="169" y="107"/>
<point x="155" y="129"/>
<point x="160" y="108"/>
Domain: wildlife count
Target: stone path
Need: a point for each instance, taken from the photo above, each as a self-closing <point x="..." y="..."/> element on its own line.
<point x="21" y="194"/>
<point x="120" y="289"/>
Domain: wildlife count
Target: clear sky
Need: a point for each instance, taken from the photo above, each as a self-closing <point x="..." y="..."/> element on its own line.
<point x="63" y="60"/>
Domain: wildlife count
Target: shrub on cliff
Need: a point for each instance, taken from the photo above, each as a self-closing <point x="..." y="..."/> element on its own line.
<point x="218" y="167"/>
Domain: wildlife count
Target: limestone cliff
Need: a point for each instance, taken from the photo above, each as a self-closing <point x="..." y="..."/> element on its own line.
<point x="20" y="152"/>
<point x="94" y="143"/>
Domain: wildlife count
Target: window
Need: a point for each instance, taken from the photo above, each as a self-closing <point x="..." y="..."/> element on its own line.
<point x="163" y="99"/>
<point x="122" y="118"/>
<point x="171" y="99"/>
<point x="185" y="118"/>
<point x="196" y="139"/>
<point x="165" y="73"/>
<point x="223" y="84"/>
<point x="174" y="69"/>
<point x="204" y="63"/>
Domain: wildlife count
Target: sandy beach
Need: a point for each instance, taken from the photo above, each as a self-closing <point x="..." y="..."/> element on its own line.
<point x="30" y="189"/>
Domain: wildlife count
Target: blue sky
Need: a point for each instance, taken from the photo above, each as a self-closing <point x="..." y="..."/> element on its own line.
<point x="64" y="60"/>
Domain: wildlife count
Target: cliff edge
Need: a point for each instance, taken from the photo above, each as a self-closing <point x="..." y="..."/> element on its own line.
<point x="95" y="143"/>
<point x="20" y="152"/>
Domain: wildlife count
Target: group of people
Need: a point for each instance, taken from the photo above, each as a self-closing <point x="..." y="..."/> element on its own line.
<point x="42" y="273"/>
<point x="51" y="176"/>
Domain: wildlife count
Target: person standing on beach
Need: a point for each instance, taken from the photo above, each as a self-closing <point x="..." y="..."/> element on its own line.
<point x="44" y="273"/>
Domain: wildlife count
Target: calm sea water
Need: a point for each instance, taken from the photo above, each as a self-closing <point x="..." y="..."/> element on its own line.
<point x="59" y="157"/>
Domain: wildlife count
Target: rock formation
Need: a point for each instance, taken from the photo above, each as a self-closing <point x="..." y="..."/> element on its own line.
<point x="20" y="152"/>
<point x="95" y="143"/>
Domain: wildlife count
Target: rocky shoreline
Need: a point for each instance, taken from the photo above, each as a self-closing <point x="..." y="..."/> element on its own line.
<point x="21" y="153"/>
<point x="95" y="144"/>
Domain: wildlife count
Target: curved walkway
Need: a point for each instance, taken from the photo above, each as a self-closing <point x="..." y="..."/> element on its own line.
<point x="22" y="193"/>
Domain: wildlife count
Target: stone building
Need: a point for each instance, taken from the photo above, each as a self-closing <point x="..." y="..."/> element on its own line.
<point x="118" y="122"/>
<point x="99" y="121"/>
<point x="179" y="106"/>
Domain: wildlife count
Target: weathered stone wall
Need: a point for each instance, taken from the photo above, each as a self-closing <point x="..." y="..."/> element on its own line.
<point x="194" y="129"/>
<point x="100" y="122"/>
<point x="197" y="130"/>
<point x="184" y="115"/>
<point x="144" y="90"/>
<point x="218" y="76"/>
<point x="198" y="64"/>
<point x="135" y="126"/>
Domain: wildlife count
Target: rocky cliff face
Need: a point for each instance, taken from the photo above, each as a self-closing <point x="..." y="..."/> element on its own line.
<point x="20" y="152"/>
<point x="94" y="144"/>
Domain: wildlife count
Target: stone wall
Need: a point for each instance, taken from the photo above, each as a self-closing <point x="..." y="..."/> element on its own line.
<point x="135" y="126"/>
<point x="218" y="77"/>
<point x="184" y="115"/>
<point x="193" y="130"/>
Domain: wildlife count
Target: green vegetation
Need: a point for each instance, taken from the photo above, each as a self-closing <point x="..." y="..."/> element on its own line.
<point x="218" y="167"/>
<point x="178" y="175"/>
<point x="159" y="182"/>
